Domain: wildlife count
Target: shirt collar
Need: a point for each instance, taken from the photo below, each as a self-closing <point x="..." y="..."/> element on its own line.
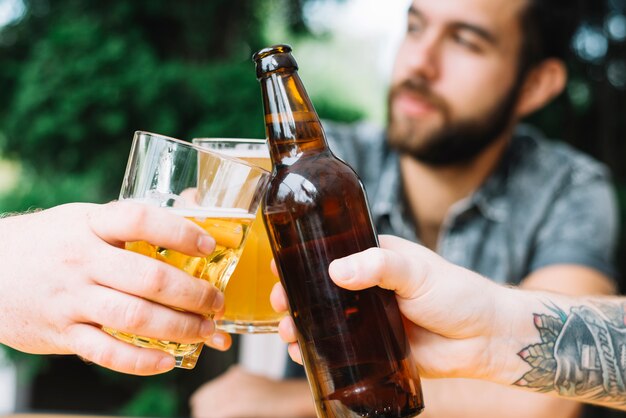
<point x="389" y="187"/>
<point x="389" y="207"/>
<point x="490" y="198"/>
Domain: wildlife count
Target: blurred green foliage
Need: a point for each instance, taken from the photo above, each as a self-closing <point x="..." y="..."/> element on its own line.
<point x="160" y="400"/>
<point x="79" y="77"/>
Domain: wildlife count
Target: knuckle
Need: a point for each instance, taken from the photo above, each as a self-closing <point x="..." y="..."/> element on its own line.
<point x="183" y="233"/>
<point x="189" y="328"/>
<point x="114" y="205"/>
<point x="110" y="210"/>
<point x="155" y="279"/>
<point x="136" y="315"/>
<point x="136" y="215"/>
<point x="106" y="311"/>
<point x="205" y="296"/>
<point x="377" y="261"/>
<point x="103" y="355"/>
<point x="76" y="343"/>
<point x="136" y="365"/>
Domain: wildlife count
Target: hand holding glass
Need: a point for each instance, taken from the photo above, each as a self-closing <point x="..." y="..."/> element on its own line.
<point x="218" y="193"/>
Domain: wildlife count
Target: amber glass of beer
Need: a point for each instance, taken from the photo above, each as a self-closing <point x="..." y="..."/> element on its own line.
<point x="219" y="193"/>
<point x="247" y="296"/>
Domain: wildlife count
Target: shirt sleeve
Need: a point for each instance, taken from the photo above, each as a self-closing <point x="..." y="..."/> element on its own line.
<point x="580" y="228"/>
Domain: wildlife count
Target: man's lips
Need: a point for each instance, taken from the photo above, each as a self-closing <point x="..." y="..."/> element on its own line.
<point x="412" y="104"/>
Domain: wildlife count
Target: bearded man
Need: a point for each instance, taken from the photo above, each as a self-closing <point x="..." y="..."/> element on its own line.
<point x="456" y="171"/>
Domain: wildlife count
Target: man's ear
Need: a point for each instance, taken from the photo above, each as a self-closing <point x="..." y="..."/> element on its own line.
<point x="542" y="84"/>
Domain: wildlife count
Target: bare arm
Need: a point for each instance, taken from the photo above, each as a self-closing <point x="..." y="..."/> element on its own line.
<point x="581" y="350"/>
<point x="492" y="400"/>
<point x="65" y="274"/>
<point x="465" y="326"/>
<point x="238" y="393"/>
<point x="570" y="348"/>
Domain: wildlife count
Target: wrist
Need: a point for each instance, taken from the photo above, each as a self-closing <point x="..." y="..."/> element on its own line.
<point x="512" y="330"/>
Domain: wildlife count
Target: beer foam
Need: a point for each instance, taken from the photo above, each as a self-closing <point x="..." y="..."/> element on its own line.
<point x="199" y="212"/>
<point x="244" y="153"/>
<point x="212" y="212"/>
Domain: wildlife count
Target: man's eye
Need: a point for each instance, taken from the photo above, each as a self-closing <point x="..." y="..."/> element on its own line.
<point x="414" y="27"/>
<point x="465" y="42"/>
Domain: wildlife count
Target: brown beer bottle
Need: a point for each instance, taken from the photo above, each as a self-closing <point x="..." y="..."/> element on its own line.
<point x="355" y="352"/>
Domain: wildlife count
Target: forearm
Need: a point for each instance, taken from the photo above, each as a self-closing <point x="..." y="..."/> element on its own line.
<point x="462" y="325"/>
<point x="298" y="399"/>
<point x="239" y="393"/>
<point x="481" y="399"/>
<point x="569" y="347"/>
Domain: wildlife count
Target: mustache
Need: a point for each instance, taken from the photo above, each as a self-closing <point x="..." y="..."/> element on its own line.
<point x="420" y="88"/>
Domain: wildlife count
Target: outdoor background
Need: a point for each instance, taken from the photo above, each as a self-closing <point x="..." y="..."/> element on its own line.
<point x="78" y="77"/>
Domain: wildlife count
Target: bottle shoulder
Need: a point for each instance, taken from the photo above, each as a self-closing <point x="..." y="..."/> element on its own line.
<point x="322" y="164"/>
<point x="327" y="172"/>
<point x="314" y="183"/>
<point x="325" y="198"/>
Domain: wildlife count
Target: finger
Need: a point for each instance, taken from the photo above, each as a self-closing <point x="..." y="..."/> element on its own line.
<point x="278" y="298"/>
<point x="273" y="267"/>
<point x="379" y="267"/>
<point x="220" y="341"/>
<point x="294" y="352"/>
<point x="96" y="346"/>
<point x="125" y="221"/>
<point x="218" y="313"/>
<point x="154" y="280"/>
<point x="135" y="315"/>
<point x="287" y="330"/>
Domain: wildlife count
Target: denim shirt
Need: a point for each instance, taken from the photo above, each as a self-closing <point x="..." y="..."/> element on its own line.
<point x="544" y="204"/>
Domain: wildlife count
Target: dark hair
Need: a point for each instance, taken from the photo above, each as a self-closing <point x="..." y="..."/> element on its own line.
<point x="547" y="29"/>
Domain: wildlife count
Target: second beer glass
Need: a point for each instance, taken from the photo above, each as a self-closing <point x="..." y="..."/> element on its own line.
<point x="247" y="296"/>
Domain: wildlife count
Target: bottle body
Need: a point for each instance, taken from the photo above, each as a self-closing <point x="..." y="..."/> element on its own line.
<point x="353" y="344"/>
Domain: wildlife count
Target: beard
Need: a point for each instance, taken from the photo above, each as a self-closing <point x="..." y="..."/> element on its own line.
<point x="457" y="142"/>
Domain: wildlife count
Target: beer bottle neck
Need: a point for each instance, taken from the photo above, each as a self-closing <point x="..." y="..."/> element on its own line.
<point x="291" y="123"/>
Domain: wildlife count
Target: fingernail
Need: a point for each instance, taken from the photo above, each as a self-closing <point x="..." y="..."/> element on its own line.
<point x="218" y="302"/>
<point x="206" y="244"/>
<point x="218" y="340"/>
<point x="166" y="363"/>
<point x="342" y="269"/>
<point x="207" y="328"/>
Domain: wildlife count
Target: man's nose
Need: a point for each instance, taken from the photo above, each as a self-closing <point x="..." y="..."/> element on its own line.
<point x="423" y="57"/>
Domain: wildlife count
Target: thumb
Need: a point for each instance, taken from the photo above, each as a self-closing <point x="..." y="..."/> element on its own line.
<point x="386" y="267"/>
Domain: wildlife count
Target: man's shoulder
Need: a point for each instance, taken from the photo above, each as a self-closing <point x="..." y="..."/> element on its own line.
<point x="549" y="161"/>
<point x="562" y="200"/>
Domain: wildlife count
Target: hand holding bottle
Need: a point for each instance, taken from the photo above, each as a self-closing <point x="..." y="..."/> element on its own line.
<point x="463" y="325"/>
<point x="452" y="311"/>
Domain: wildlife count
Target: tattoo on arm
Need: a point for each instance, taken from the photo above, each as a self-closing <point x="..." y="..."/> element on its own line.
<point x="581" y="355"/>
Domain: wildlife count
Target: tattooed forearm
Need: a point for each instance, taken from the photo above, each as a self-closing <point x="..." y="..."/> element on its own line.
<point x="582" y="354"/>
